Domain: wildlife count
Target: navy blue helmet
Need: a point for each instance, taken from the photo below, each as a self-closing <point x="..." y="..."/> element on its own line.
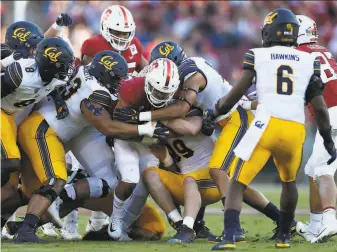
<point x="280" y="28"/>
<point x="169" y="50"/>
<point x="55" y="59"/>
<point x="109" y="68"/>
<point x="23" y="35"/>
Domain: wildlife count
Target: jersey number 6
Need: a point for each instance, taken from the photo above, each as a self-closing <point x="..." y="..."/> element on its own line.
<point x="284" y="84"/>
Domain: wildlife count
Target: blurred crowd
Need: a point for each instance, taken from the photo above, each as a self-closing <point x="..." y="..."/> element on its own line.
<point x="220" y="31"/>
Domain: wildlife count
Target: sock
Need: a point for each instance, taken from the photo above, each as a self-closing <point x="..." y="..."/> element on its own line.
<point x="201" y="214"/>
<point x="272" y="212"/>
<point x="71" y="218"/>
<point x="31" y="220"/>
<point x="315" y="222"/>
<point x="175" y="216"/>
<point x="188" y="221"/>
<point x="118" y="207"/>
<point x="232" y="224"/>
<point x="329" y="215"/>
<point x="68" y="194"/>
<point x="286" y="220"/>
<point x="223" y="200"/>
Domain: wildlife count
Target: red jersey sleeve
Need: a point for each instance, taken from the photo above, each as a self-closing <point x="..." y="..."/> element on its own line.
<point x="138" y="45"/>
<point x="132" y="91"/>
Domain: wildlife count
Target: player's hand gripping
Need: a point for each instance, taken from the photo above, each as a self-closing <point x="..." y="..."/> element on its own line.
<point x="208" y="125"/>
<point x="127" y="115"/>
<point x="64" y="20"/>
<point x="161" y="133"/>
<point x="329" y="145"/>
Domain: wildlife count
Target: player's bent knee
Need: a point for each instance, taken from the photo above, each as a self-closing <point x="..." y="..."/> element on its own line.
<point x="99" y="188"/>
<point x="149" y="175"/>
<point x="189" y="180"/>
<point x="48" y="192"/>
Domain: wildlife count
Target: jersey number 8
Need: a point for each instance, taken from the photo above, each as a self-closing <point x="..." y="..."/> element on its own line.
<point x="284" y="82"/>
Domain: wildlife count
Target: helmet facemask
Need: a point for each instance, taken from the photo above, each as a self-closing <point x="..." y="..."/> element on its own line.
<point x="120" y="44"/>
<point x="157" y="98"/>
<point x="65" y="71"/>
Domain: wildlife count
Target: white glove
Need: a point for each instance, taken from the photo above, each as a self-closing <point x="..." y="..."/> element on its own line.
<point x="245" y="103"/>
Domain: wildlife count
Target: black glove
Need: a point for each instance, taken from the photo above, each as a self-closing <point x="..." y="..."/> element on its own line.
<point x="127" y="115"/>
<point x="161" y="132"/>
<point x="329" y="145"/>
<point x="21" y="54"/>
<point x="64" y="20"/>
<point x="110" y="141"/>
<point x="62" y="109"/>
<point x="208" y="125"/>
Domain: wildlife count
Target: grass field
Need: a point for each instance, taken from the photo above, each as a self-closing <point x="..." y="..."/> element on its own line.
<point x="257" y="226"/>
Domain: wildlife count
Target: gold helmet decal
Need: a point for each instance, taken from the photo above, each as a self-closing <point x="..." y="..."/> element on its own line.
<point x="168" y="48"/>
<point x="289" y="30"/>
<point x="107" y="62"/>
<point x="52" y="54"/>
<point x="20" y="34"/>
<point x="270" y="18"/>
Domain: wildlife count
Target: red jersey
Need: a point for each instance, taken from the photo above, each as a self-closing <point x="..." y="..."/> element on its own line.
<point x="132" y="92"/>
<point x="132" y="55"/>
<point x="328" y="72"/>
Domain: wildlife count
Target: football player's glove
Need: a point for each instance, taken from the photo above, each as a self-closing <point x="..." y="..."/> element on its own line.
<point x="64" y="20"/>
<point x="127" y="115"/>
<point x="208" y="125"/>
<point x="245" y="103"/>
<point x="161" y="132"/>
<point x="329" y="145"/>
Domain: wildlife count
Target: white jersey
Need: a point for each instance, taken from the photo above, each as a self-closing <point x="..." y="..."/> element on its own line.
<point x="81" y="87"/>
<point x="31" y="88"/>
<point x="282" y="77"/>
<point x="191" y="152"/>
<point x="216" y="86"/>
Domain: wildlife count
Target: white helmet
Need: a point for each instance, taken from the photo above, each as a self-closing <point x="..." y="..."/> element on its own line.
<point x="161" y="82"/>
<point x="308" y="30"/>
<point x="117" y="18"/>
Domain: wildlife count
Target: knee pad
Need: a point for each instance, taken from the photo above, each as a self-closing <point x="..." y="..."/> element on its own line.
<point x="47" y="192"/>
<point x="99" y="188"/>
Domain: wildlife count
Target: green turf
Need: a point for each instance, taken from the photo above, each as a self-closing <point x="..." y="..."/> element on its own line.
<point x="257" y="229"/>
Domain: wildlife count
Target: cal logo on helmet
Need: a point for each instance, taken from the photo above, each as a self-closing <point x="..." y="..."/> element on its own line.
<point x="290" y="30"/>
<point x="107" y="62"/>
<point x="270" y="18"/>
<point x="52" y="54"/>
<point x="20" y="34"/>
<point x="168" y="48"/>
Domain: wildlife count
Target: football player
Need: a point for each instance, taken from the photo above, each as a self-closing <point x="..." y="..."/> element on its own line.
<point x="203" y="86"/>
<point x="131" y="158"/>
<point x="323" y="192"/>
<point x="276" y="131"/>
<point x="117" y="33"/>
<point x="26" y="82"/>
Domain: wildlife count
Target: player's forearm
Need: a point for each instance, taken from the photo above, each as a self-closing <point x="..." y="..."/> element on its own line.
<point x="321" y="113"/>
<point x="118" y="129"/>
<point x="177" y="110"/>
<point x="53" y="32"/>
<point x="186" y="127"/>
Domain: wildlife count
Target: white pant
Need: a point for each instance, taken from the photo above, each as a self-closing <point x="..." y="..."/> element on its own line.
<point x="131" y="159"/>
<point x="317" y="163"/>
<point x="93" y="153"/>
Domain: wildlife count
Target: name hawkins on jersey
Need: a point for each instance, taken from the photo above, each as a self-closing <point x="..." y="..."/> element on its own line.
<point x="277" y="56"/>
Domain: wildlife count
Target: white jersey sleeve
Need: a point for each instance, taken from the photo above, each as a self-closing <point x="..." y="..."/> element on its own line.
<point x="282" y="77"/>
<point x="30" y="88"/>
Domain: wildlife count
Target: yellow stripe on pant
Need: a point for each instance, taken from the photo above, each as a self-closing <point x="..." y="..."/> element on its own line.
<point x="283" y="140"/>
<point x="43" y="147"/>
<point x="234" y="128"/>
<point x="9" y="148"/>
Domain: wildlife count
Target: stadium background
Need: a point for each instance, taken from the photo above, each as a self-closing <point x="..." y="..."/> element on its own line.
<point x="221" y="32"/>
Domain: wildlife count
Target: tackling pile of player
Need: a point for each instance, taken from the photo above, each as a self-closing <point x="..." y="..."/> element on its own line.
<point x="153" y="133"/>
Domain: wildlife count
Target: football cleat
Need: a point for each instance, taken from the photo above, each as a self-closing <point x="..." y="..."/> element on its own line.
<point x="27" y="234"/>
<point x="304" y="231"/>
<point x="282" y="242"/>
<point x="125" y="237"/>
<point x="183" y="235"/>
<point x="115" y="228"/>
<point x="325" y="233"/>
<point x="54" y="211"/>
<point x="225" y="245"/>
<point x="239" y="237"/>
<point x="5" y="234"/>
<point x="202" y="232"/>
<point x="96" y="224"/>
<point x="48" y="230"/>
<point x="275" y="231"/>
<point x="12" y="227"/>
<point x="70" y="232"/>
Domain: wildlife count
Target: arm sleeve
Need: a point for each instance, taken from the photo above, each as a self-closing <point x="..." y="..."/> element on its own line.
<point x="249" y="61"/>
<point x="138" y="45"/>
<point x="101" y="97"/>
<point x="11" y="79"/>
<point x="187" y="68"/>
<point x="317" y="67"/>
<point x="6" y="50"/>
<point x="315" y="88"/>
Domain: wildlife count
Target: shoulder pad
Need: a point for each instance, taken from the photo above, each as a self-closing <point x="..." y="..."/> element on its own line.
<point x="101" y="97"/>
<point x="11" y="79"/>
<point x="186" y="68"/>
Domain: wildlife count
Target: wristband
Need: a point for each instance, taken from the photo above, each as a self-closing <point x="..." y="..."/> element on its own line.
<point x="168" y="161"/>
<point x="8" y="60"/>
<point x="146" y="129"/>
<point x="145" y="116"/>
<point x="247" y="105"/>
<point x="56" y="27"/>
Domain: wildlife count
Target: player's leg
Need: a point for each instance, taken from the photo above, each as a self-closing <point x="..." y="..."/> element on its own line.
<point x="46" y="153"/>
